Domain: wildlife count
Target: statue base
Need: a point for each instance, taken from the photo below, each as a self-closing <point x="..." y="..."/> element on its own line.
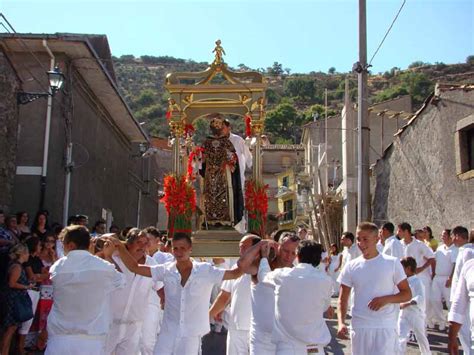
<point x="216" y="243"/>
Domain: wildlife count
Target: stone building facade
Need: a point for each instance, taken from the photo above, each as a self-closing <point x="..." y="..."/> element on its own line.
<point x="8" y="130"/>
<point x="108" y="177"/>
<point x="426" y="176"/>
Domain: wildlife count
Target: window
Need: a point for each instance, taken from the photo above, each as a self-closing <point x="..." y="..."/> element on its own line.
<point x="288" y="209"/>
<point x="464" y="143"/>
<point x="285" y="181"/>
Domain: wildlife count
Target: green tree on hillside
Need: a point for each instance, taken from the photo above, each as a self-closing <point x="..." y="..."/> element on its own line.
<point x="283" y="122"/>
<point x="303" y="88"/>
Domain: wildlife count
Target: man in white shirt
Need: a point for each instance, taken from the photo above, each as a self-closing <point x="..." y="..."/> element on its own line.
<point x="351" y="251"/>
<point x="237" y="293"/>
<point x="462" y="307"/>
<point x="412" y="315"/>
<point x="380" y="285"/>
<point x="425" y="262"/>
<point x="465" y="252"/>
<point x="188" y="285"/>
<point x="130" y="304"/>
<point x="82" y="284"/>
<point x="263" y="299"/>
<point x="440" y="287"/>
<point x="302" y="294"/>
<point x="391" y="244"/>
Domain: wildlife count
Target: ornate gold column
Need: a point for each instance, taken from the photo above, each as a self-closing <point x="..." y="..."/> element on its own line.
<point x="257" y="130"/>
<point x="176" y="124"/>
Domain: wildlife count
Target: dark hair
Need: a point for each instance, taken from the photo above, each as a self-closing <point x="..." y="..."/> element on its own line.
<point x="405" y="227"/>
<point x="461" y="231"/>
<point x="72" y="220"/>
<point x="447" y="230"/>
<point x="430" y="232"/>
<point x="10" y="218"/>
<point x="348" y="235"/>
<point x="133" y="234"/>
<point x="19" y="214"/>
<point x="288" y="236"/>
<point x="153" y="231"/>
<point x="32" y="243"/>
<point x="124" y="233"/>
<point x="182" y="236"/>
<point x="409" y="262"/>
<point x="98" y="223"/>
<point x="389" y="227"/>
<point x="334" y="245"/>
<point x="79" y="235"/>
<point x="309" y="252"/>
<point x="113" y="226"/>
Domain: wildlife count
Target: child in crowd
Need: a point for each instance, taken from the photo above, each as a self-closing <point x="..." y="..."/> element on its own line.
<point x="412" y="316"/>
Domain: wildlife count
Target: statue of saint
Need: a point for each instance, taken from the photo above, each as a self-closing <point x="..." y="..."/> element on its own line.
<point x="223" y="197"/>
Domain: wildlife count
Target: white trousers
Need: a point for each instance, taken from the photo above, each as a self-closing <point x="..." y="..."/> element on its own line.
<point x="168" y="343"/>
<point x="123" y="339"/>
<point x="150" y="328"/>
<point x="25" y="326"/>
<point x="374" y="341"/>
<point x="439" y="291"/>
<point x="75" y="345"/>
<point x="237" y="342"/>
<point x="261" y="343"/>
<point x="427" y="283"/>
<point x="415" y="321"/>
<point x="466" y="338"/>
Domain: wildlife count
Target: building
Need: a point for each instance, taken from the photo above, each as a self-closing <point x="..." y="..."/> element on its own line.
<point x="332" y="168"/>
<point x="426" y="176"/>
<point x="79" y="151"/>
<point x="280" y="161"/>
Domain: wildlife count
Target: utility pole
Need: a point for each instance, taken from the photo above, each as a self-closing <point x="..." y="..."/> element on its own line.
<point x="363" y="129"/>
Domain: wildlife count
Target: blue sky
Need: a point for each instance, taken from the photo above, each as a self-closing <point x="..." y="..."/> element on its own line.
<point x="304" y="35"/>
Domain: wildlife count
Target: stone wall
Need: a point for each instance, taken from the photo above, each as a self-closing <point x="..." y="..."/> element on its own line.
<point x="416" y="179"/>
<point x="8" y="131"/>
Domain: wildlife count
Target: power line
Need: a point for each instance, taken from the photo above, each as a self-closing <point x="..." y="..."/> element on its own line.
<point x="388" y="31"/>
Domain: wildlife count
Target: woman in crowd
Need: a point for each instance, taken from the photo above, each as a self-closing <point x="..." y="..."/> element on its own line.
<point x="17" y="286"/>
<point x="22" y="221"/>
<point x="40" y="225"/>
<point x="35" y="273"/>
<point x="334" y="267"/>
<point x="48" y="257"/>
<point x="11" y="228"/>
<point x="429" y="239"/>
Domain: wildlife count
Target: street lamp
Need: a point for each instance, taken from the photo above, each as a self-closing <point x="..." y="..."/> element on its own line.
<point x="56" y="81"/>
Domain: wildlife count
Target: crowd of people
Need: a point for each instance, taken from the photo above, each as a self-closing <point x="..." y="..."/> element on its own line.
<point x="134" y="291"/>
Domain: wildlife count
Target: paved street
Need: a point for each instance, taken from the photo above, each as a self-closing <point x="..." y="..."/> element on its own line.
<point x="214" y="344"/>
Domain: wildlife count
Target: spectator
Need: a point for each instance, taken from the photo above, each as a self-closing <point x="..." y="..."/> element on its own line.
<point x="35" y="273"/>
<point x="99" y="228"/>
<point x="11" y="228"/>
<point x="18" y="287"/>
<point x="429" y="239"/>
<point x="391" y="244"/>
<point x="22" y="222"/>
<point x="40" y="225"/>
<point x="114" y="229"/>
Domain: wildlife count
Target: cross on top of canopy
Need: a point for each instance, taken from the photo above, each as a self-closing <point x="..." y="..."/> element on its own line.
<point x="216" y="90"/>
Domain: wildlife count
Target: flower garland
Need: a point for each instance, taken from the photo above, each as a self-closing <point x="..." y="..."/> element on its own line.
<point x="180" y="203"/>
<point x="256" y="204"/>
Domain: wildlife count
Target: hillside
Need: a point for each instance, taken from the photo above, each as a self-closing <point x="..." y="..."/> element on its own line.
<point x="293" y="99"/>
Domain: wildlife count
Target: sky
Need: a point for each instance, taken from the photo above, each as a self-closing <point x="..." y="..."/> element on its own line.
<point x="303" y="35"/>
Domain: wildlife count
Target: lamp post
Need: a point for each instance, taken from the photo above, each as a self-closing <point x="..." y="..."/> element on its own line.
<point x="56" y="81"/>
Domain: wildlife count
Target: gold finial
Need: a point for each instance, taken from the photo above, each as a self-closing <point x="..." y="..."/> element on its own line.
<point x="219" y="51"/>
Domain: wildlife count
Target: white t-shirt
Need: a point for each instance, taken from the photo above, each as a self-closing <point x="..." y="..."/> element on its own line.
<point x="393" y="247"/>
<point x="444" y="263"/>
<point x="263" y="308"/>
<point x="372" y="278"/>
<point x="420" y="252"/>
<point x="418" y="295"/>
<point x="240" y="302"/>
